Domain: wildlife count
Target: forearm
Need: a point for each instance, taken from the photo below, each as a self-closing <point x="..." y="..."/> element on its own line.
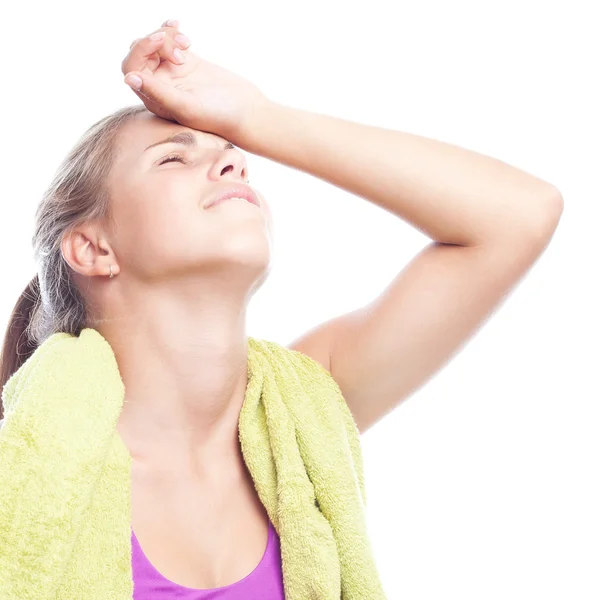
<point x="451" y="194"/>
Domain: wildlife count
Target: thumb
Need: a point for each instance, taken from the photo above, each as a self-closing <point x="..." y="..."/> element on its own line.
<point x="155" y="90"/>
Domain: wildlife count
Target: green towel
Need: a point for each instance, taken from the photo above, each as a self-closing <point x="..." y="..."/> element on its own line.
<point x="65" y="475"/>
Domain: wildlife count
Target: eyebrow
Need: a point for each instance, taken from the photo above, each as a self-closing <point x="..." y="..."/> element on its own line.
<point x="185" y="138"/>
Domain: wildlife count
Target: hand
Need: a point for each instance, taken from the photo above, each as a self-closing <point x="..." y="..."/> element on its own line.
<point x="195" y="93"/>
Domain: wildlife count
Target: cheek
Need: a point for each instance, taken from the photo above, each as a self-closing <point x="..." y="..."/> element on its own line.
<point x="148" y="223"/>
<point x="138" y="215"/>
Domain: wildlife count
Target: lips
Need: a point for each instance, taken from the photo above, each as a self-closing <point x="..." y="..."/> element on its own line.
<point x="234" y="191"/>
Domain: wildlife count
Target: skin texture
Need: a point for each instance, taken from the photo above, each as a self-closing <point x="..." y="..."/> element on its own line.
<point x="178" y="85"/>
<point x="174" y="315"/>
<point x="489" y="222"/>
<point x="183" y="278"/>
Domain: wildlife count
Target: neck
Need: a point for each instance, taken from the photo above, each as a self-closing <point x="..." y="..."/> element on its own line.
<point x="184" y="369"/>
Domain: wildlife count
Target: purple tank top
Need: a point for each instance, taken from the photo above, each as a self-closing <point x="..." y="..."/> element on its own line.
<point x="264" y="583"/>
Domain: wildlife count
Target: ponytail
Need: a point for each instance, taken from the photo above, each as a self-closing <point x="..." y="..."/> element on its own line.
<point x="18" y="346"/>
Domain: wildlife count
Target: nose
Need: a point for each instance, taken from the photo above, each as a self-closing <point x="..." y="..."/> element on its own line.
<point x="233" y="162"/>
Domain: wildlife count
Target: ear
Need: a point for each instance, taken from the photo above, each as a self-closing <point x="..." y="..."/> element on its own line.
<point x="88" y="252"/>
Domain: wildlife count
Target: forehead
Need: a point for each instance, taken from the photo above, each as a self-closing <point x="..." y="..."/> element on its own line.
<point x="146" y="128"/>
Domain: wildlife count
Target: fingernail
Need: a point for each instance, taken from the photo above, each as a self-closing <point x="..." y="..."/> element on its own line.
<point x="170" y="23"/>
<point x="183" y="40"/>
<point x="134" y="81"/>
<point x="178" y="54"/>
<point x="159" y="35"/>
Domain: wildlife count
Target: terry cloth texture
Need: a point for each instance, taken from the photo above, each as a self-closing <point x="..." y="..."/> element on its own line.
<point x="65" y="475"/>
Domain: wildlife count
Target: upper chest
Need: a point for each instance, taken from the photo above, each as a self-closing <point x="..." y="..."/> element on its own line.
<point x="199" y="533"/>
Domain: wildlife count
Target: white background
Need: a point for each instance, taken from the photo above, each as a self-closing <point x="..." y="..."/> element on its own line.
<point x="485" y="482"/>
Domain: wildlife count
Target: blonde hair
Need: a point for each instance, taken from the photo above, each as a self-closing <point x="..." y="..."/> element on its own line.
<point x="78" y="194"/>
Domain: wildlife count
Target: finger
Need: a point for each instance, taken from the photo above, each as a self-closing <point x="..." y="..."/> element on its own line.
<point x="171" y="23"/>
<point x="173" y="37"/>
<point x="159" y="92"/>
<point x="141" y="50"/>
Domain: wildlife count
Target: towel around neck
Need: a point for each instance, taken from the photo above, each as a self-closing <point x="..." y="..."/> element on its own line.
<point x="65" y="475"/>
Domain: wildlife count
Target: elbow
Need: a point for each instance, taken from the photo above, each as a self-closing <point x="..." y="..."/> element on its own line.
<point x="551" y="207"/>
<point x="533" y="229"/>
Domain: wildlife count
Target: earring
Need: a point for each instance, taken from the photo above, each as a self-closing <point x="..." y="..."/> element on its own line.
<point x="111" y="273"/>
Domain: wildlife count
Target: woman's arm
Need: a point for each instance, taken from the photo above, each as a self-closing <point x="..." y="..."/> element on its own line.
<point x="489" y="222"/>
<point x="453" y="195"/>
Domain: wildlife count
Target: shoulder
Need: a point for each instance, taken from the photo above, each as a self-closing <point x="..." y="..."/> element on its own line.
<point x="315" y="344"/>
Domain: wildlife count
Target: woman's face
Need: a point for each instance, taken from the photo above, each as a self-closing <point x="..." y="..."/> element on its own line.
<point x="163" y="229"/>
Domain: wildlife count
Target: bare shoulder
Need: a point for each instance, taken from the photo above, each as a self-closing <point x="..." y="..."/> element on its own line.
<point x="316" y="343"/>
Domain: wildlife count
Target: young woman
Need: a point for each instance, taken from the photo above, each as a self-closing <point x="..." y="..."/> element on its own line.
<point x="152" y="236"/>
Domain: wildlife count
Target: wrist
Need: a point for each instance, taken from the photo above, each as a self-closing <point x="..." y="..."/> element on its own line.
<point x="252" y="131"/>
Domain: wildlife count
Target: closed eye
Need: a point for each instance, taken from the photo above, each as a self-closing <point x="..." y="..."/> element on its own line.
<point x="172" y="158"/>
